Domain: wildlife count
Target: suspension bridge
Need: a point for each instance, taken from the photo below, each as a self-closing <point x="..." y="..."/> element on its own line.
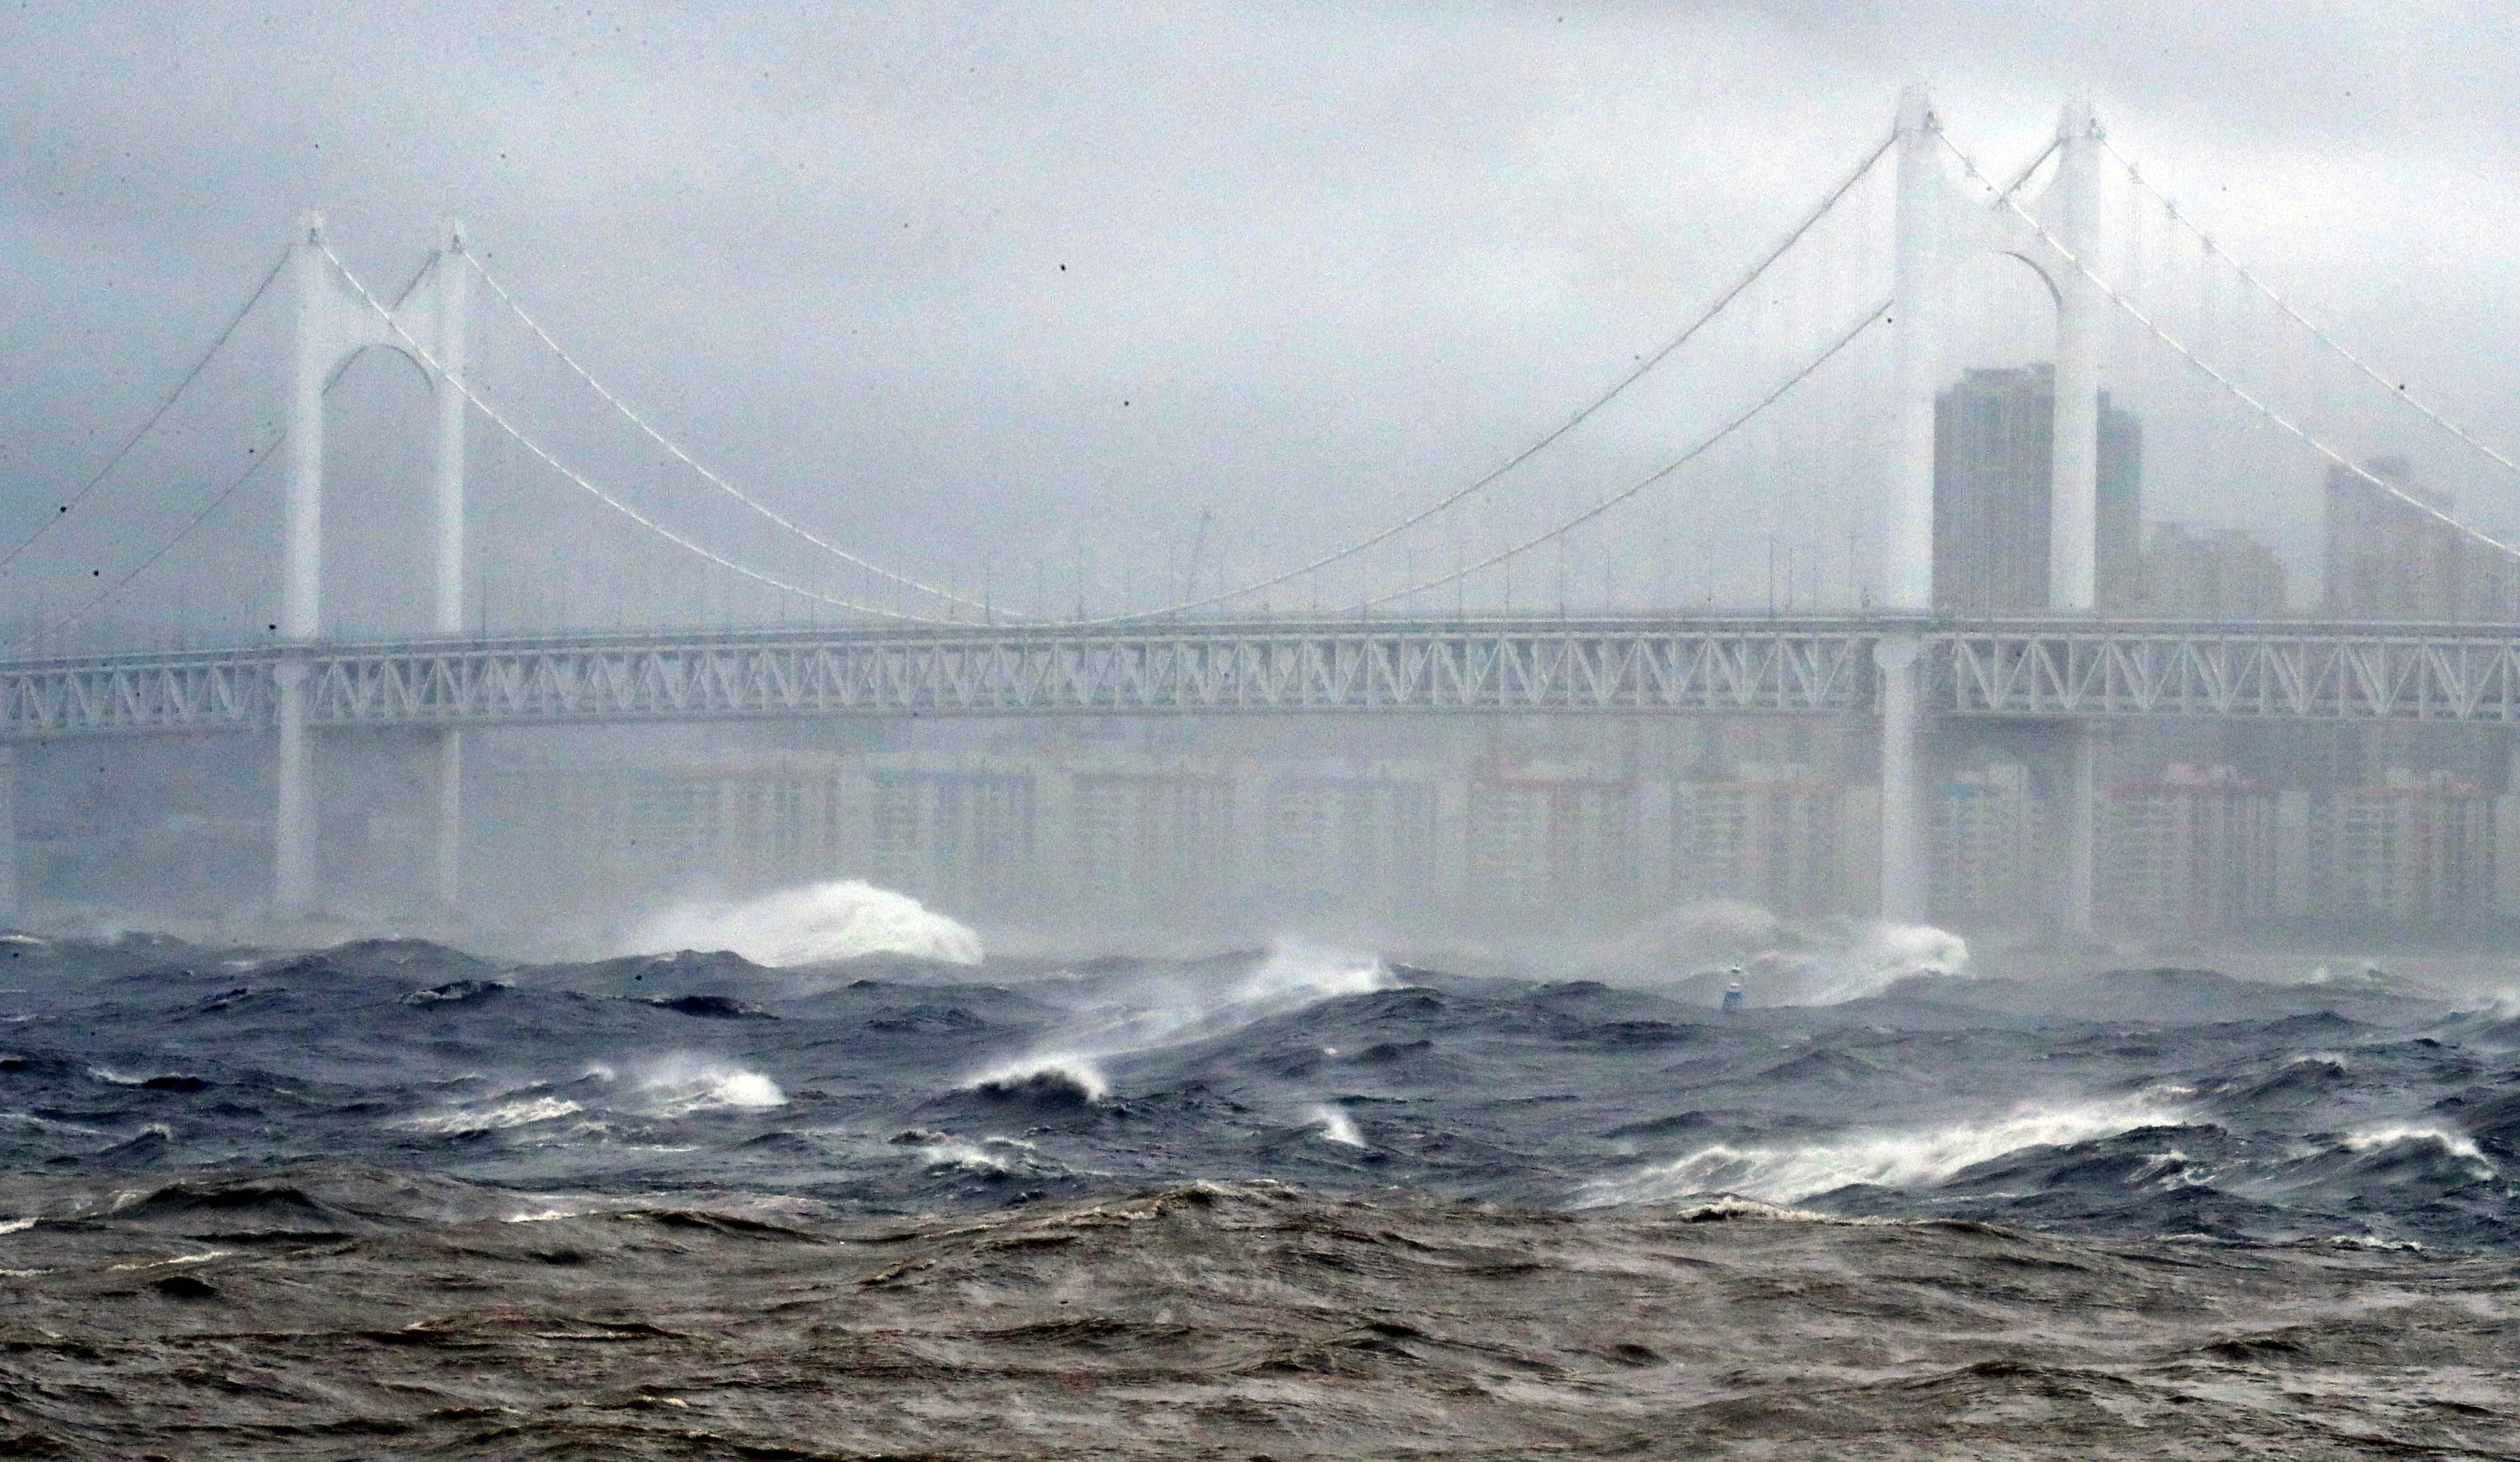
<point x="2111" y="255"/>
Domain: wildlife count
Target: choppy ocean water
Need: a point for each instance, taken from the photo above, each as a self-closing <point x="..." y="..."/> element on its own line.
<point x="1211" y="1180"/>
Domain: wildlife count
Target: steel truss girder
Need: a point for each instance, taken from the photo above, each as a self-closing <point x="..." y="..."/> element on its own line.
<point x="2034" y="669"/>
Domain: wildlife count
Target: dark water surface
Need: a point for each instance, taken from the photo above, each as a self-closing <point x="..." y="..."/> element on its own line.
<point x="391" y="1199"/>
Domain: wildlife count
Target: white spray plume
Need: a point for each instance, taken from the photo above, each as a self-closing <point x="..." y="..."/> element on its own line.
<point x="808" y="925"/>
<point x="1337" y="1126"/>
<point x="1885" y="953"/>
<point x="1162" y="1009"/>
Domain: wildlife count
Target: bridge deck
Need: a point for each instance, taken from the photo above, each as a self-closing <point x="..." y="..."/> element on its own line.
<point x="2073" y="668"/>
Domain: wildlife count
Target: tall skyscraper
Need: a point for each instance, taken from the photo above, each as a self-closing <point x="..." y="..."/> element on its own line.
<point x="1994" y="462"/>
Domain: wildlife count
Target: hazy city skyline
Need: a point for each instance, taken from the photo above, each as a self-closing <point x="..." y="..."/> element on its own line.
<point x="1300" y="269"/>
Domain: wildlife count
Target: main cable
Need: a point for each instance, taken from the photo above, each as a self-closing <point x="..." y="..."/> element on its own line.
<point x="1810" y="222"/>
<point x="2225" y="382"/>
<point x="421" y="354"/>
<point x="2397" y="390"/>
<point x="714" y="479"/>
<point x="154" y="417"/>
<point x="1870" y="318"/>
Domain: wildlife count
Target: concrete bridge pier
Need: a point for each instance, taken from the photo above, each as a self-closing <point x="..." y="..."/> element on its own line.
<point x="8" y="834"/>
<point x="292" y="882"/>
<point x="1905" y="890"/>
<point x="2080" y="791"/>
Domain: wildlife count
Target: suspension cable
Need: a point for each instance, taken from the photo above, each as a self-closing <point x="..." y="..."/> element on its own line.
<point x="262" y="456"/>
<point x="1809" y="221"/>
<point x="2226" y="383"/>
<point x="421" y="354"/>
<point x="1870" y="318"/>
<point x="2396" y="389"/>
<point x="712" y="479"/>
<point x="154" y="417"/>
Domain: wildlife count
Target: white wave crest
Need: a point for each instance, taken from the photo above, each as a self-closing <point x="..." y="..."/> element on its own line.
<point x="809" y="925"/>
<point x="1047" y="1077"/>
<point x="1900" y="1160"/>
<point x="499" y="1118"/>
<point x="16" y="1225"/>
<point x="679" y="1084"/>
<point x="2457" y="1144"/>
<point x="1336" y="1126"/>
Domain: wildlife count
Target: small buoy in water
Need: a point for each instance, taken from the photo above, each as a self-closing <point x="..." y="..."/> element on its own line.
<point x="1732" y="996"/>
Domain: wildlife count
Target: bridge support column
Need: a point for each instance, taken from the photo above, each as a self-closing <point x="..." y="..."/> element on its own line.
<point x="292" y="892"/>
<point x="2073" y="523"/>
<point x="1908" y="567"/>
<point x="292" y="883"/>
<point x="1904" y="881"/>
<point x="1915" y="310"/>
<point x="334" y="324"/>
<point x="452" y="290"/>
<point x="2080" y="793"/>
<point x="8" y="833"/>
<point x="448" y="871"/>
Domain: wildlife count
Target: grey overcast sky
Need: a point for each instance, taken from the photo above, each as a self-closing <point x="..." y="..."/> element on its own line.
<point x="899" y="266"/>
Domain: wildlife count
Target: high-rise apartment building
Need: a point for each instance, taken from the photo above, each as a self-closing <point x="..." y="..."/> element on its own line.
<point x="2389" y="558"/>
<point x="2416" y="848"/>
<point x="1994" y="464"/>
<point x="1543" y="835"/>
<point x="1771" y="835"/>
<point x="1980" y="838"/>
<point x="2192" y="849"/>
<point x="2221" y="574"/>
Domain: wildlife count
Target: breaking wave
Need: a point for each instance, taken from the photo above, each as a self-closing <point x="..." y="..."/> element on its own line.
<point x="1885" y="1159"/>
<point x="814" y="925"/>
<point x="1051" y="1080"/>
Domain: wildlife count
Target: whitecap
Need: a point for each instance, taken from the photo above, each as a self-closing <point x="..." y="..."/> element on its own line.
<point x="499" y="1118"/>
<point x="2457" y="1144"/>
<point x="1888" y="1159"/>
<point x="811" y="925"/>
<point x="677" y="1085"/>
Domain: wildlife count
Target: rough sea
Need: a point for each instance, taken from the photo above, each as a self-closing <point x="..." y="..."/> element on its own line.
<point x="391" y="1198"/>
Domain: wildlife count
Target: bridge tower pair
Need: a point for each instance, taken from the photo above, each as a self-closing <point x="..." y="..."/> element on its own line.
<point x="334" y="323"/>
<point x="1934" y="226"/>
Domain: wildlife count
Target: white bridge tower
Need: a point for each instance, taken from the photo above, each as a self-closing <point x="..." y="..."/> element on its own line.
<point x="1935" y="222"/>
<point x="334" y="323"/>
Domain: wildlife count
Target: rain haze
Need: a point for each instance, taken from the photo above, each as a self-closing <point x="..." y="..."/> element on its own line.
<point x="1248" y="729"/>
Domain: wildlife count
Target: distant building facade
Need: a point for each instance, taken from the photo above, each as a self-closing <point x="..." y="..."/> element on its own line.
<point x="1993" y="467"/>
<point x="2223" y="573"/>
<point x="2389" y="558"/>
<point x="1980" y="838"/>
<point x="2192" y="849"/>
